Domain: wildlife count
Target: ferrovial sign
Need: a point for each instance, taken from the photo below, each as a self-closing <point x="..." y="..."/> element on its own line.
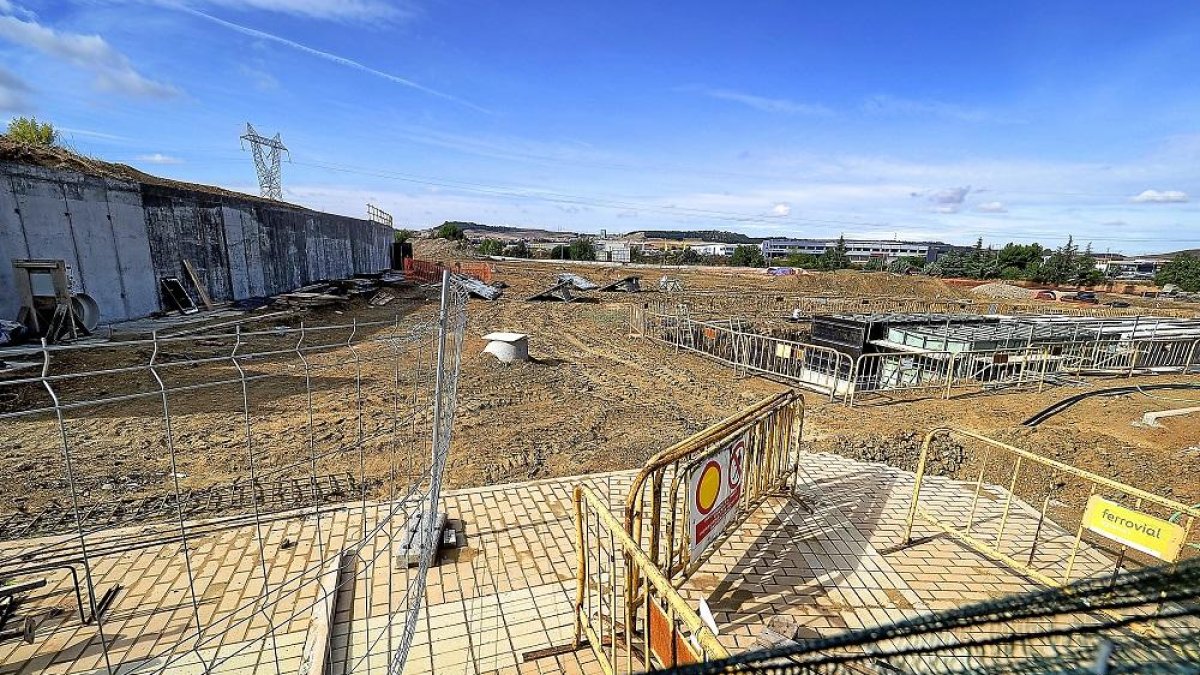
<point x="1159" y="538"/>
<point x="714" y="488"/>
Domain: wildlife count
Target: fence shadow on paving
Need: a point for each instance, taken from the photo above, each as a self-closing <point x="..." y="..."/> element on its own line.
<point x="315" y="453"/>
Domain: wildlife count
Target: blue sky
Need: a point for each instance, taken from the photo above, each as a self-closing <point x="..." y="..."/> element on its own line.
<point x="1014" y="121"/>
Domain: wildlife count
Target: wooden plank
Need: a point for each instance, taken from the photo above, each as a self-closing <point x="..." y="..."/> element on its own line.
<point x="200" y="289"/>
<point x="315" y="657"/>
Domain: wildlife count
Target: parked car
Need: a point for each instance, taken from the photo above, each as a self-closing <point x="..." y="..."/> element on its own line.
<point x="1087" y="297"/>
<point x="1046" y="295"/>
<point x="1116" y="303"/>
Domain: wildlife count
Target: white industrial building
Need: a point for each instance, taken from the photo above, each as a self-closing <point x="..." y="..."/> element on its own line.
<point x="858" y="250"/>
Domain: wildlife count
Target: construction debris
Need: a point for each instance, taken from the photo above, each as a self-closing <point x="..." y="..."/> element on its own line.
<point x="507" y="347"/>
<point x="560" y="291"/>
<point x="308" y="300"/>
<point x="381" y="298"/>
<point x="391" y="278"/>
<point x="478" y="289"/>
<point x="578" y="282"/>
<point x="669" y="284"/>
<point x="626" y="285"/>
<point x="410" y="548"/>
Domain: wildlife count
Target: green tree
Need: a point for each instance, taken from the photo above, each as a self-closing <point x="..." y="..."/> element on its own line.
<point x="520" y="250"/>
<point x="875" y="265"/>
<point x="806" y="261"/>
<point x="29" y="130"/>
<point x="490" y="247"/>
<point x="451" y="231"/>
<point x="747" y="256"/>
<point x="687" y="256"/>
<point x="836" y="258"/>
<point x="582" y="249"/>
<point x="906" y="264"/>
<point x="1183" y="271"/>
<point x="400" y="236"/>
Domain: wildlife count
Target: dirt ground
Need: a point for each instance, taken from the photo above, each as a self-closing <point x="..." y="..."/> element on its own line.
<point x="591" y="399"/>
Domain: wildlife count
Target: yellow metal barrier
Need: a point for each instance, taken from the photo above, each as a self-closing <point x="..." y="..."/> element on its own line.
<point x="628" y="608"/>
<point x="660" y="630"/>
<point x="770" y="431"/>
<point x="1087" y="525"/>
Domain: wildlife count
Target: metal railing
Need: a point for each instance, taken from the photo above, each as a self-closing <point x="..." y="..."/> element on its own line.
<point x="163" y="420"/>
<point x="1035" y="366"/>
<point x="1031" y="512"/>
<point x="820" y="369"/>
<point x="828" y="371"/>
<point x="658" y="629"/>
<point x="627" y="606"/>
<point x="774" y="303"/>
<point x="657" y="504"/>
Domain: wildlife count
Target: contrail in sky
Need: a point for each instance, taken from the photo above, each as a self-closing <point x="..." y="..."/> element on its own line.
<point x="334" y="58"/>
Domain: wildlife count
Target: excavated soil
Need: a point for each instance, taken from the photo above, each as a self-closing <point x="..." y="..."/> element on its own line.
<point x="591" y="399"/>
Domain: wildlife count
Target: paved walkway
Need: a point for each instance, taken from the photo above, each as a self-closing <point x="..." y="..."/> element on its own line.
<point x="830" y="559"/>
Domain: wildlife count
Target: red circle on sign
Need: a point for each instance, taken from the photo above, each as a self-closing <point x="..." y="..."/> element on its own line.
<point x="737" y="455"/>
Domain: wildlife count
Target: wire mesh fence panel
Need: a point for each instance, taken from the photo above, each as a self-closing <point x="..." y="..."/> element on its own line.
<point x="251" y="501"/>
<point x="1145" y="622"/>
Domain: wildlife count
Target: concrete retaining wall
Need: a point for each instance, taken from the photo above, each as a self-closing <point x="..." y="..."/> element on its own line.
<point x="121" y="237"/>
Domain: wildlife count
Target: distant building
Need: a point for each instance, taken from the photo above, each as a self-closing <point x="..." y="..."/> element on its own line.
<point x="1131" y="268"/>
<point x="724" y="250"/>
<point x="608" y="250"/>
<point x="859" y="250"/>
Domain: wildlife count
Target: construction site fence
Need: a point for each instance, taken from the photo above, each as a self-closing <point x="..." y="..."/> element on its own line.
<point x="1146" y="621"/>
<point x="944" y="373"/>
<point x="820" y="369"/>
<point x="171" y="421"/>
<point x="628" y="608"/>
<point x="431" y="272"/>
<point x="1028" y="511"/>
<point x="782" y="304"/>
<point x="657" y="629"/>
<point x="925" y="373"/>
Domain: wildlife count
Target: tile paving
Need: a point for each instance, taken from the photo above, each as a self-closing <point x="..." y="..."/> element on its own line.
<point x="830" y="558"/>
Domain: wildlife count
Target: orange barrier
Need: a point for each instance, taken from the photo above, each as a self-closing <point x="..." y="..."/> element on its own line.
<point x="430" y="272"/>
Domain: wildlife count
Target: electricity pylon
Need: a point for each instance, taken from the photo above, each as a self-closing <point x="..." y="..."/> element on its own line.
<point x="267" y="163"/>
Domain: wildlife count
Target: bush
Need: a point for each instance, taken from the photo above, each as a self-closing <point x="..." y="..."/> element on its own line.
<point x="491" y="247"/>
<point x="1183" y="271"/>
<point x="747" y="256"/>
<point x="450" y="231"/>
<point x="29" y="130"/>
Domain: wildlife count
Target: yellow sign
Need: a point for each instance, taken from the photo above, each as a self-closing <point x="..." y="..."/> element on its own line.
<point x="1159" y="538"/>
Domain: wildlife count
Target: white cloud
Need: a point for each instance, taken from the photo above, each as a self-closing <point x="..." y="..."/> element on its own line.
<point x="7" y="7"/>
<point x="158" y="158"/>
<point x="337" y="10"/>
<point x="948" y="200"/>
<point x="782" y="209"/>
<point x="892" y="105"/>
<point x="766" y="104"/>
<point x="992" y="207"/>
<point x="14" y="92"/>
<point x="1161" y="197"/>
<point x="112" y="69"/>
